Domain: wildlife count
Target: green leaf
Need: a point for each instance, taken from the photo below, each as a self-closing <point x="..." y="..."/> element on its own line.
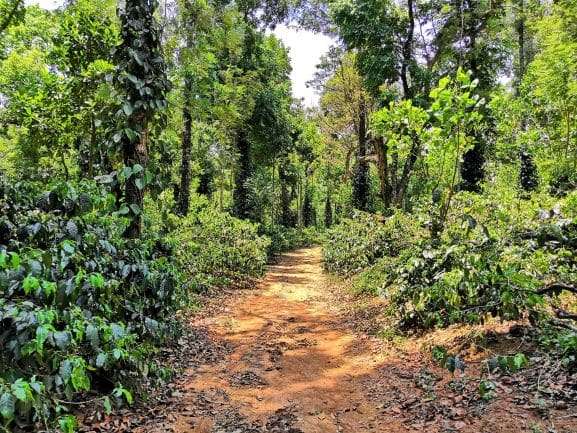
<point x="30" y="284"/>
<point x="120" y="391"/>
<point x="101" y="360"/>
<point x="49" y="288"/>
<point x="139" y="182"/>
<point x="131" y="134"/>
<point x="62" y="339"/>
<point x="68" y="247"/>
<point x="79" y="378"/>
<point x="7" y="406"/>
<point x="117" y="353"/>
<point x="135" y="209"/>
<point x="124" y="210"/>
<point x="117" y="331"/>
<point x="107" y="406"/>
<point x="41" y="335"/>
<point x="65" y="370"/>
<point x="127" y="108"/>
<point x="126" y="172"/>
<point x="92" y="335"/>
<point x="67" y="424"/>
<point x="520" y="361"/>
<point x="97" y="281"/>
<point x="22" y="391"/>
<point x="14" y="261"/>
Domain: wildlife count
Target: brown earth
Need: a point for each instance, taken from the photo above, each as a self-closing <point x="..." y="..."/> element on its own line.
<point x="291" y="357"/>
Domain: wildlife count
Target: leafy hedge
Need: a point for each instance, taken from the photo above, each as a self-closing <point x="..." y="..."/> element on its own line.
<point x="461" y="283"/>
<point x="288" y="238"/>
<point x="215" y="249"/>
<point x="358" y="242"/>
<point x="80" y="307"/>
<point x="487" y="264"/>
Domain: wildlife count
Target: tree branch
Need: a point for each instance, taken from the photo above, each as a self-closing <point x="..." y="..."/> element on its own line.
<point x="10" y="16"/>
<point x="556" y="288"/>
<point x="562" y="314"/>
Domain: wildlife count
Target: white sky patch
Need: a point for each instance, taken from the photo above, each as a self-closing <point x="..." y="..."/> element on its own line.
<point x="305" y="51"/>
<point x="46" y="4"/>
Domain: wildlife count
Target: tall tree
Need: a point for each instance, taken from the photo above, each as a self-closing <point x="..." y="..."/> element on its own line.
<point x="466" y="35"/>
<point x="142" y="81"/>
<point x="361" y="181"/>
<point x="195" y="21"/>
<point x="10" y="11"/>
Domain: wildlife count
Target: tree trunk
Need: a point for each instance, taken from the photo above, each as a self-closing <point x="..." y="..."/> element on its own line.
<point x="407" y="170"/>
<point x="135" y="152"/>
<point x="185" y="175"/>
<point x="383" y="171"/>
<point x="520" y="25"/>
<point x="361" y="176"/>
<point x="328" y="211"/>
<point x="286" y="218"/>
<point x="408" y="51"/>
<point x="244" y="170"/>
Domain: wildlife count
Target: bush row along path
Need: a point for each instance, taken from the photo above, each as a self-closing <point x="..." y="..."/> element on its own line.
<point x="291" y="364"/>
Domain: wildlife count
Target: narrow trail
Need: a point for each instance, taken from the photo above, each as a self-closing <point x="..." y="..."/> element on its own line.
<point x="291" y="369"/>
<point x="285" y="357"/>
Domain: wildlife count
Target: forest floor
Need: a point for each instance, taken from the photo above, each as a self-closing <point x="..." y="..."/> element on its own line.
<point x="298" y="354"/>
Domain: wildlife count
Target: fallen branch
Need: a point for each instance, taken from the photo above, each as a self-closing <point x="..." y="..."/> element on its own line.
<point x="557" y="288"/>
<point x="562" y="314"/>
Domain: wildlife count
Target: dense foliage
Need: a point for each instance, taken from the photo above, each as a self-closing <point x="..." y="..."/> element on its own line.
<point x="151" y="151"/>
<point x="81" y="305"/>
<point x="217" y="249"/>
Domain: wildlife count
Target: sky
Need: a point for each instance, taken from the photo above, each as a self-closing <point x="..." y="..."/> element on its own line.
<point x="305" y="50"/>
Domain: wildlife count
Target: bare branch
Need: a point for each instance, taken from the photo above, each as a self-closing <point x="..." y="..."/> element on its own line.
<point x="556" y="288"/>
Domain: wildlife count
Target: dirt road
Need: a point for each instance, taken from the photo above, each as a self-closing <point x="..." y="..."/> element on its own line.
<point x="292" y="368"/>
<point x="280" y="358"/>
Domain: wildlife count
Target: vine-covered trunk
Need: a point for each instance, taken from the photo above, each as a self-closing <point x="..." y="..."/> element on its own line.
<point x="361" y="175"/>
<point x="185" y="174"/>
<point x="139" y="65"/>
<point x="241" y="196"/>
<point x="408" y="51"/>
<point x="286" y="216"/>
<point x="309" y="214"/>
<point x="135" y="152"/>
<point x="328" y="211"/>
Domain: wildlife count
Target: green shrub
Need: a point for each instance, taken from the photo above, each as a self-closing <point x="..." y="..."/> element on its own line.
<point x="359" y="242"/>
<point x="215" y="249"/>
<point x="461" y="283"/>
<point x="378" y="278"/>
<point x="288" y="238"/>
<point x="80" y="307"/>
